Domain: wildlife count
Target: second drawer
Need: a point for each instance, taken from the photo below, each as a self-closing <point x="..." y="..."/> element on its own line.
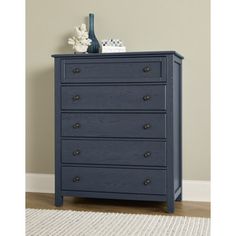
<point x="145" y="97"/>
<point x="114" y="152"/>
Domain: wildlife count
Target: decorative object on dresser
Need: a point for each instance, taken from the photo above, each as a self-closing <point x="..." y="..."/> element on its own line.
<point x="94" y="47"/>
<point x="118" y="126"/>
<point x="112" y="45"/>
<point x="80" y="40"/>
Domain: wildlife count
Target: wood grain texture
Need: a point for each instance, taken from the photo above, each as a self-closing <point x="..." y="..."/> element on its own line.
<point x="114" y="125"/>
<point x="114" y="152"/>
<point x="114" y="180"/>
<point x="46" y="201"/>
<point x="113" y="70"/>
<point x="114" y="97"/>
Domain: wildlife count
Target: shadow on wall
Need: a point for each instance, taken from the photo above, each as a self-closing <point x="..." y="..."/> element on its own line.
<point x="40" y="121"/>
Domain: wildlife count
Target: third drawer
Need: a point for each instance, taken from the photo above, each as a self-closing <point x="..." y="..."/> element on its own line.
<point x="114" y="125"/>
<point x="114" y="152"/>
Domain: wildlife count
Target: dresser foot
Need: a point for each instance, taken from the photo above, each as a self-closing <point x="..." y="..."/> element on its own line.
<point x="179" y="198"/>
<point x="170" y="206"/>
<point x="58" y="200"/>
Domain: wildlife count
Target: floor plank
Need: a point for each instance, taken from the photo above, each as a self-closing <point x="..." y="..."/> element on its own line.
<point x="185" y="208"/>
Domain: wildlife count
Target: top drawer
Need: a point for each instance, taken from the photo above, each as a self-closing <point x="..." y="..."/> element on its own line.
<point x="114" y="70"/>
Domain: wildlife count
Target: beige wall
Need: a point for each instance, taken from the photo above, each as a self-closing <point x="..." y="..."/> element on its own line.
<point x="143" y="25"/>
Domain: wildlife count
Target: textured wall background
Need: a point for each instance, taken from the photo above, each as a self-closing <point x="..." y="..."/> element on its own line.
<point x="182" y="25"/>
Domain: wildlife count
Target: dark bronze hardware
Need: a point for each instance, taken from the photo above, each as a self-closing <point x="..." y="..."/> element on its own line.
<point x="76" y="70"/>
<point x="76" y="179"/>
<point x="76" y="152"/>
<point x="146" y="98"/>
<point x="147" y="181"/>
<point x="76" y="98"/>
<point x="147" y="126"/>
<point x="146" y="69"/>
<point x="147" y="154"/>
<point x="76" y="125"/>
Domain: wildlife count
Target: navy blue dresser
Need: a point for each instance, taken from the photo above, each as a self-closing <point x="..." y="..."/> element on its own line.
<point x="118" y="126"/>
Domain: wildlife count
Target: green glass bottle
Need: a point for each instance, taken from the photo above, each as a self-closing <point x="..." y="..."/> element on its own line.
<point x="94" y="47"/>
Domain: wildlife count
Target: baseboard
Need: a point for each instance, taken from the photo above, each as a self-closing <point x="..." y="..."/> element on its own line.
<point x="196" y="190"/>
<point x="193" y="190"/>
<point x="39" y="183"/>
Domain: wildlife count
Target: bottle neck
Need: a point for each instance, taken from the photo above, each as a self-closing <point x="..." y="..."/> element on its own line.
<point x="91" y="23"/>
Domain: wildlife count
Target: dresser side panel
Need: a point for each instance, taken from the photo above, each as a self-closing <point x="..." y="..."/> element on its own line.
<point x="169" y="132"/>
<point x="57" y="115"/>
<point x="177" y="124"/>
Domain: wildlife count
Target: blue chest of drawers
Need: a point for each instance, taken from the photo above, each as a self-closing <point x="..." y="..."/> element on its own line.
<point x="118" y="126"/>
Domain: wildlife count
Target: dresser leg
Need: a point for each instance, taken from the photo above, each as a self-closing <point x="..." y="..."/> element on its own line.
<point x="170" y="206"/>
<point x="58" y="200"/>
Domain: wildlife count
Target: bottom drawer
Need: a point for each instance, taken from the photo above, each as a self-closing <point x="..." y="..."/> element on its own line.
<point x="117" y="180"/>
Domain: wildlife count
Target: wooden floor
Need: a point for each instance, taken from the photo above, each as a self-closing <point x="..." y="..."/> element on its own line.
<point x="46" y="201"/>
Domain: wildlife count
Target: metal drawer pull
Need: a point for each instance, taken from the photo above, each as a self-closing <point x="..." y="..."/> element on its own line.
<point x="76" y="152"/>
<point x="76" y="98"/>
<point x="76" y="70"/>
<point x="76" y="179"/>
<point x="146" y="69"/>
<point x="146" y="98"/>
<point x="147" y="154"/>
<point x="147" y="181"/>
<point x="76" y="125"/>
<point x="147" y="126"/>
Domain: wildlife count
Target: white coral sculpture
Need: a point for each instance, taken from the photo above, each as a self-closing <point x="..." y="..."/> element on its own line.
<point x="80" y="40"/>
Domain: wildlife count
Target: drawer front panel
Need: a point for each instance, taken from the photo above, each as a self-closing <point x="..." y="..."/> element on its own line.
<point x="114" y="125"/>
<point x="114" y="97"/>
<point x="143" y="153"/>
<point x="114" y="180"/>
<point x="107" y="70"/>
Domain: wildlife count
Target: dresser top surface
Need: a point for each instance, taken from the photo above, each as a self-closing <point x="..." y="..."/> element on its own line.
<point x="120" y="54"/>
